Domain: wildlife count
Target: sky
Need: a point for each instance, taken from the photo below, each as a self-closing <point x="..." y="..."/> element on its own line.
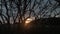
<point x="38" y="7"/>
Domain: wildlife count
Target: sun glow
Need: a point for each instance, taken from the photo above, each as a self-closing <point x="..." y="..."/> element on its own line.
<point x="28" y="20"/>
<point x="27" y="23"/>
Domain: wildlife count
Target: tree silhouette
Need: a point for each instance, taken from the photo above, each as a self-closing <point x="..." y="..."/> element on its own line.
<point x="13" y="11"/>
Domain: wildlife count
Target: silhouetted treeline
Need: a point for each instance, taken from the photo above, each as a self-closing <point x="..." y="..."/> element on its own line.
<point x="13" y="11"/>
<point x="48" y="21"/>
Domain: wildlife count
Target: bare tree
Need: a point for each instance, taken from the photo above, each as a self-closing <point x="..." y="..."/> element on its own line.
<point x="20" y="10"/>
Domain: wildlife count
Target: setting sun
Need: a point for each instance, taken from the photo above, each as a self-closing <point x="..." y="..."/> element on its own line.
<point x="28" y="20"/>
<point x="27" y="23"/>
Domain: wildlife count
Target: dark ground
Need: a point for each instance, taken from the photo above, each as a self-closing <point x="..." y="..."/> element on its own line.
<point x="35" y="28"/>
